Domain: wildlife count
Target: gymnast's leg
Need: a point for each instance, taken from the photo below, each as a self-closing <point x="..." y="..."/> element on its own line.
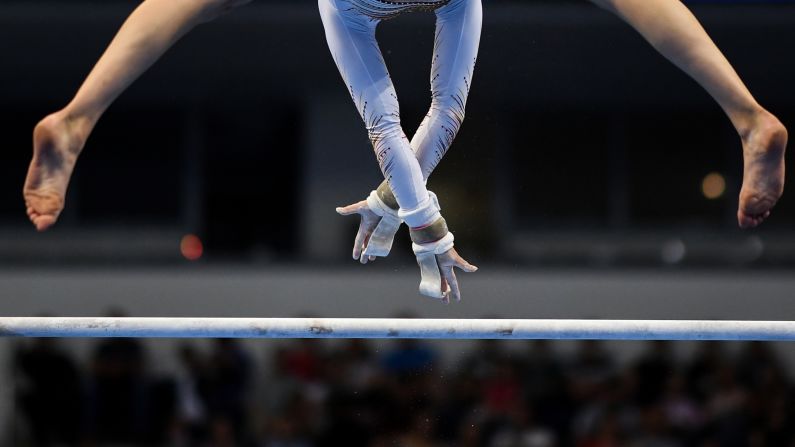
<point x="673" y="30"/>
<point x="58" y="139"/>
<point x="456" y="42"/>
<point x="455" y="50"/>
<point x="351" y="39"/>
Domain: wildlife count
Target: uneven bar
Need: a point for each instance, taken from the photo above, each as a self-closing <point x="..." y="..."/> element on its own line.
<point x="397" y="328"/>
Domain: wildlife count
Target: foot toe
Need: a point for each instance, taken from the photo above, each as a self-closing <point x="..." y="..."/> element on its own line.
<point x="751" y="220"/>
<point x="744" y="220"/>
<point x="43" y="222"/>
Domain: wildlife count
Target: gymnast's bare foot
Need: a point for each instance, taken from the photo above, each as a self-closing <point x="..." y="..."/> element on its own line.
<point x="763" y="169"/>
<point x="57" y="141"/>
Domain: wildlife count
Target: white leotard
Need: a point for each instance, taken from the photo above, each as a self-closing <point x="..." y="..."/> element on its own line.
<point x="350" y="31"/>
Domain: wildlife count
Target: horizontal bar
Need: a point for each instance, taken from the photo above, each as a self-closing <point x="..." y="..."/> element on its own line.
<point x="397" y="328"/>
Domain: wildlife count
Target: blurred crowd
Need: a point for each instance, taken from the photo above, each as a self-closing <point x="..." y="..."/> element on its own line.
<point x="356" y="393"/>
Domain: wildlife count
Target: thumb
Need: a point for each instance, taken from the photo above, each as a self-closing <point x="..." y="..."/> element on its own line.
<point x="465" y="266"/>
<point x="348" y="210"/>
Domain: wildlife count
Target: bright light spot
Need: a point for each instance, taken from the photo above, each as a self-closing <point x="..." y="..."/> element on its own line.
<point x="713" y="186"/>
<point x="191" y="247"/>
<point x="673" y="251"/>
<point x="754" y="248"/>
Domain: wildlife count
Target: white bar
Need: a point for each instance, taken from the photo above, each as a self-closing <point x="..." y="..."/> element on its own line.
<point x="396" y="328"/>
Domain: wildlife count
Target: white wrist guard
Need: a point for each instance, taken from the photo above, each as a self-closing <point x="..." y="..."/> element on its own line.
<point x="427" y="212"/>
<point x="431" y="279"/>
<point x="380" y="242"/>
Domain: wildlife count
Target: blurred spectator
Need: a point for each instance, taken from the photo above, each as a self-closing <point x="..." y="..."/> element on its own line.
<point x="330" y="394"/>
<point x="681" y="410"/>
<point x="654" y="430"/>
<point x="302" y="360"/>
<point x="191" y="411"/>
<point x="726" y="409"/>
<point x="521" y="430"/>
<point x="49" y="392"/>
<point x="225" y="392"/>
<point x="409" y="357"/>
<point x="652" y="372"/>
<point x="546" y="387"/>
<point x="118" y="391"/>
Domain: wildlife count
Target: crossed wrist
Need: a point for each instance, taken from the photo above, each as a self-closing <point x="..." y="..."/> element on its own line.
<point x="424" y="214"/>
<point x="387" y="197"/>
<point x="379" y="207"/>
<point x="429" y="233"/>
<point x="434" y="238"/>
<point x="382" y="202"/>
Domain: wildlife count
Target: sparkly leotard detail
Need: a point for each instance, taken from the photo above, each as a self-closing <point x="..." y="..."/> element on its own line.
<point x="387" y="9"/>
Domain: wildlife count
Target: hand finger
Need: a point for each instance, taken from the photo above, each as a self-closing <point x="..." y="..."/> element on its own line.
<point x="360" y="241"/>
<point x="462" y="263"/>
<point x="350" y="209"/>
<point x="363" y="258"/>
<point x="452" y="281"/>
<point x="467" y="267"/>
<point x="445" y="293"/>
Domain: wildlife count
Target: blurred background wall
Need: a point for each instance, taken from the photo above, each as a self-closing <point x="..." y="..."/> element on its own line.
<point x="583" y="182"/>
<point x="581" y="144"/>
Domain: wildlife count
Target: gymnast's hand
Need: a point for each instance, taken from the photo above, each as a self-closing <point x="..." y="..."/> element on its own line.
<point x="380" y="222"/>
<point x="447" y="261"/>
<point x="369" y="221"/>
<point x="433" y="247"/>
